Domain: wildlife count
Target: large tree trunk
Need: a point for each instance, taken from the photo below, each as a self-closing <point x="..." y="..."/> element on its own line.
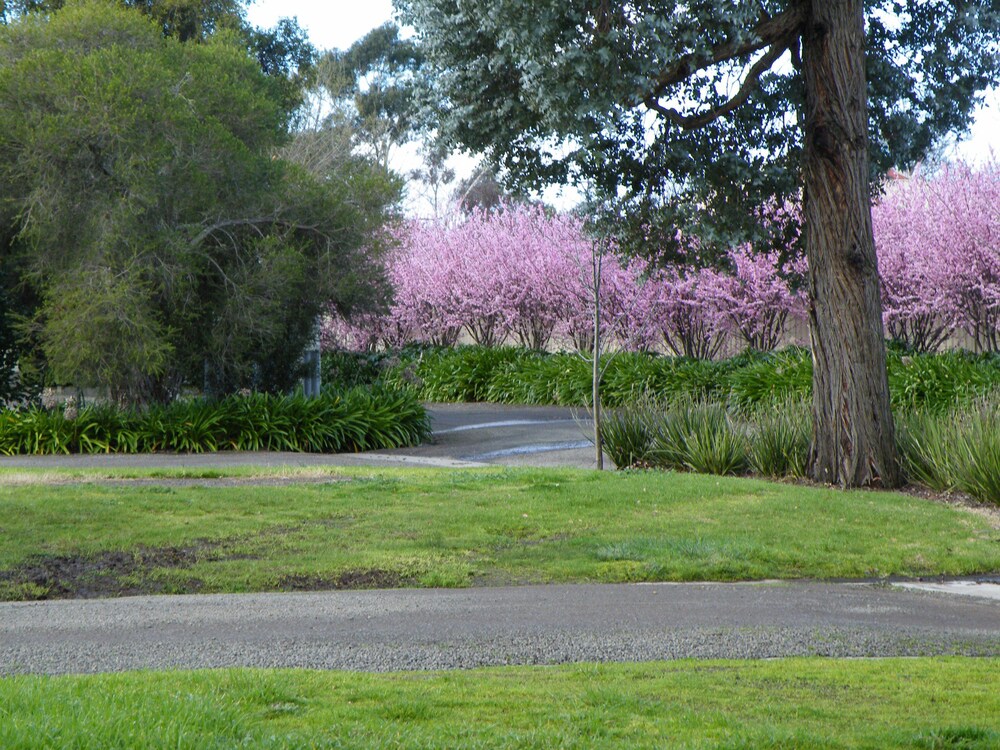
<point x="853" y="438"/>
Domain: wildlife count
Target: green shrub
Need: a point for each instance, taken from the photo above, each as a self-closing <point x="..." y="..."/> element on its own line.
<point x="461" y="374"/>
<point x="350" y="420"/>
<point x="508" y="375"/>
<point x="937" y="382"/>
<point x="517" y="376"/>
<point x="633" y="376"/>
<point x="774" y="377"/>
<point x="542" y="379"/>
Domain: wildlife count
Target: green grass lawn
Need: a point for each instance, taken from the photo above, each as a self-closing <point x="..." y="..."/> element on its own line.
<point x="458" y="528"/>
<point x="787" y="703"/>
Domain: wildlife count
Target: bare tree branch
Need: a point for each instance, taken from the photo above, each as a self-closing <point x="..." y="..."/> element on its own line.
<point x="255" y="223"/>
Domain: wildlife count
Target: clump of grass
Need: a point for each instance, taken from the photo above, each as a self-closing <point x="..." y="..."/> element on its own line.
<point x="926" y="444"/>
<point x="711" y="437"/>
<point x="977" y="451"/>
<point x="628" y="434"/>
<point x="779" y="439"/>
<point x="700" y="436"/>
<point x="955" y="450"/>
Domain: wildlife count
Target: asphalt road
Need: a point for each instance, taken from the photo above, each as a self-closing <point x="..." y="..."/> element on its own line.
<point x="426" y="629"/>
<point x="459" y="628"/>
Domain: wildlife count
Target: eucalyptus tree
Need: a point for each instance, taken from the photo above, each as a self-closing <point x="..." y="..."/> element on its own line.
<point x="375" y="79"/>
<point x="729" y="103"/>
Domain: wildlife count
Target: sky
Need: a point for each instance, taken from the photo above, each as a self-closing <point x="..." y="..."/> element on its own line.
<point x="338" y="23"/>
<point x="330" y="23"/>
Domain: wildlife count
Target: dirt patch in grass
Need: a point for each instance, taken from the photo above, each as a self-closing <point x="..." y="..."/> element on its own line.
<point x="139" y="570"/>
<point x="263" y="480"/>
<point x="110" y="573"/>
<point x="360" y="578"/>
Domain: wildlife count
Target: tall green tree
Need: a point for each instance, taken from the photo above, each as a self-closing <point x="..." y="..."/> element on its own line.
<point x="725" y="104"/>
<point x="146" y="207"/>
<point x="373" y="80"/>
<point x="283" y="51"/>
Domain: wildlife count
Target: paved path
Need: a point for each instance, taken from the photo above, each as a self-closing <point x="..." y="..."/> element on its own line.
<point x="417" y="629"/>
<point x="438" y="629"/>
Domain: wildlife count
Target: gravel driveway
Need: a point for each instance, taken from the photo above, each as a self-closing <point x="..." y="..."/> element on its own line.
<point x="459" y="628"/>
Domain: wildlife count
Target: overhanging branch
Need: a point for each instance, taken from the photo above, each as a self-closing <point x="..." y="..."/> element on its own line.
<point x="690" y="122"/>
<point x="779" y="30"/>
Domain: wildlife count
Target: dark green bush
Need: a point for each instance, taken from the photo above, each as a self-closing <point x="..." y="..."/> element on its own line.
<point x="509" y="375"/>
<point x="937" y="382"/>
<point x="778" y="376"/>
<point x="518" y="376"/>
<point x="337" y="421"/>
<point x="632" y="376"/>
<point x="341" y="369"/>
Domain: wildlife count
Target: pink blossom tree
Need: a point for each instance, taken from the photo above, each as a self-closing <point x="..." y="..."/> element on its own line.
<point x="425" y="303"/>
<point x="685" y="316"/>
<point x="918" y="298"/>
<point x="756" y="299"/>
<point x="938" y="242"/>
<point x="543" y="254"/>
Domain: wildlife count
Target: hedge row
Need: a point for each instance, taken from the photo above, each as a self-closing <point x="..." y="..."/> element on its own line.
<point x="338" y="421"/>
<point x="520" y="376"/>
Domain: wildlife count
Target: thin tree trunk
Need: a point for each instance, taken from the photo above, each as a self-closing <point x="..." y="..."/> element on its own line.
<point x="853" y="437"/>
<point x="598" y="437"/>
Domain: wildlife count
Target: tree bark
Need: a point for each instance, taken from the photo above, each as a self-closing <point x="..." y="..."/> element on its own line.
<point x="853" y="437"/>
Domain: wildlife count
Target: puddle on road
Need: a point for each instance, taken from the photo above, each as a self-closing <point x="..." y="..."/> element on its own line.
<point x="507" y="423"/>
<point x="963" y="588"/>
<point x="526" y="450"/>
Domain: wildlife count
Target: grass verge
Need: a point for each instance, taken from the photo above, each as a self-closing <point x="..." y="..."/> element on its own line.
<point x="181" y="533"/>
<point x="786" y="703"/>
